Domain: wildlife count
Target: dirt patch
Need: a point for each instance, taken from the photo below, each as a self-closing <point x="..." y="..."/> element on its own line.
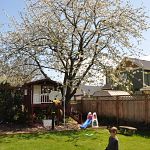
<point x="9" y="128"/>
<point x="14" y="129"/>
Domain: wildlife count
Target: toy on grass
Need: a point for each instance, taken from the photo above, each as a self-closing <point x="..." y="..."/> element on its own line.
<point x="91" y="119"/>
<point x="87" y="122"/>
<point x="94" y="120"/>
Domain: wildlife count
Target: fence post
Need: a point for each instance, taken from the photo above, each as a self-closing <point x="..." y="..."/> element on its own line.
<point x="81" y="106"/>
<point x="146" y="109"/>
<point x="53" y="120"/>
<point x="97" y="107"/>
<point x="117" y="109"/>
<point x="101" y="112"/>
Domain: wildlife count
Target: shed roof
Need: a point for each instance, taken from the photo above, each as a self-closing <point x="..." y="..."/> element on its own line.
<point x="110" y="93"/>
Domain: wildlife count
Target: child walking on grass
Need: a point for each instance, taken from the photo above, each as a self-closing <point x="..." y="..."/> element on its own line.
<point x="113" y="140"/>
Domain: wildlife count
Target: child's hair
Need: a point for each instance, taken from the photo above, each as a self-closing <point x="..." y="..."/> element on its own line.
<point x="113" y="129"/>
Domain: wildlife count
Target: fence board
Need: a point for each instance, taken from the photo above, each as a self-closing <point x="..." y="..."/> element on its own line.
<point x="148" y="112"/>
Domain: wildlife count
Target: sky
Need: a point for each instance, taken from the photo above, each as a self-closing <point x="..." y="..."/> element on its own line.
<point x="10" y="8"/>
<point x="13" y="7"/>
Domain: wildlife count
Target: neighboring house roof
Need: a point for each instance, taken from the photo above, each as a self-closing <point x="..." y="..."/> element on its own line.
<point x="87" y="90"/>
<point x="110" y="93"/>
<point x="107" y="87"/>
<point x="136" y="63"/>
<point x="145" y="64"/>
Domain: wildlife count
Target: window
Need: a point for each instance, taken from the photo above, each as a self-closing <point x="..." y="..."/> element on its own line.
<point x="147" y="78"/>
<point x="46" y="89"/>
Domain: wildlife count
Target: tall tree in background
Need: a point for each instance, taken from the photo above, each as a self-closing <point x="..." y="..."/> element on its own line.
<point x="76" y="38"/>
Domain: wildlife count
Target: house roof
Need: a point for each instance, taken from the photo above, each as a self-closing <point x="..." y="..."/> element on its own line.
<point x="110" y="93"/>
<point x="86" y="89"/>
<point x="145" y="64"/>
<point x="107" y="87"/>
<point x="136" y="63"/>
<point x="43" y="81"/>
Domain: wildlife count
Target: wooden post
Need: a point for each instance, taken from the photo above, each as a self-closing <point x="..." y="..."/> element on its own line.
<point x="146" y="109"/>
<point x="53" y="120"/>
<point x="101" y="108"/>
<point x="117" y="109"/>
<point x="81" y="106"/>
<point x="97" y="107"/>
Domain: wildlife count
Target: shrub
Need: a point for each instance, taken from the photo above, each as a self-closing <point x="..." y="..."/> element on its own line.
<point x="11" y="104"/>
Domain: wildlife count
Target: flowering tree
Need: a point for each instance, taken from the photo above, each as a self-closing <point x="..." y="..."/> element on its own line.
<point x="73" y="37"/>
<point x="12" y="68"/>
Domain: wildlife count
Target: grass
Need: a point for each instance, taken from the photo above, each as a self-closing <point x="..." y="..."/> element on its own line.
<point x="73" y="140"/>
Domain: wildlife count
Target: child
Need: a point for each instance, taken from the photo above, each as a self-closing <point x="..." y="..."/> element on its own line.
<point x="113" y="140"/>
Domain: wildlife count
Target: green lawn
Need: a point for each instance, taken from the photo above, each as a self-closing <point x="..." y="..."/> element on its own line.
<point x="71" y="140"/>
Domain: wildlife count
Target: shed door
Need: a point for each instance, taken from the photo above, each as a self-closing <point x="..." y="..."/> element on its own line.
<point x="36" y="94"/>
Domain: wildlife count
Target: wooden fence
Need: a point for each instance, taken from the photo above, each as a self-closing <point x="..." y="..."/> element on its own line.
<point x="129" y="108"/>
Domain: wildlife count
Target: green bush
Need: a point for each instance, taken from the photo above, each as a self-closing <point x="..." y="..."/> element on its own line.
<point x="11" y="104"/>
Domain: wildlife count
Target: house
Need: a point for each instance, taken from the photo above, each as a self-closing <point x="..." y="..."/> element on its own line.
<point x="86" y="90"/>
<point x="136" y="71"/>
<point x="38" y="96"/>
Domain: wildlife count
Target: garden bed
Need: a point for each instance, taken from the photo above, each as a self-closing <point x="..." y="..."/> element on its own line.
<point x="10" y="128"/>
